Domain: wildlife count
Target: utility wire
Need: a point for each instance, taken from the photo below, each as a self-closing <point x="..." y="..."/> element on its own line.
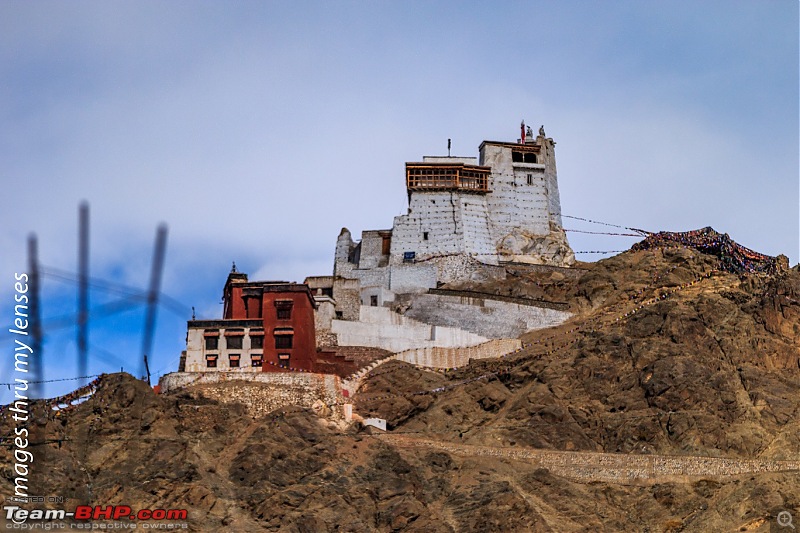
<point x="125" y="290"/>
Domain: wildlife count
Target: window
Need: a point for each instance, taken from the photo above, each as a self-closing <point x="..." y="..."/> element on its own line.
<point x="424" y="235"/>
<point x="283" y="342"/>
<point x="233" y="360"/>
<point x="373" y="300"/>
<point x="530" y="179"/>
<point x="234" y="343"/>
<point x="255" y="359"/>
<point x="339" y="315"/>
<point x="257" y="342"/>
<point x="211" y="361"/>
<point x="284" y="309"/>
<point x="523" y="157"/>
<point x="212" y="343"/>
<point x="283" y="360"/>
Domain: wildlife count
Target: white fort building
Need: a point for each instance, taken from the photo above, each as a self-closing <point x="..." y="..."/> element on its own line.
<point x="464" y="213"/>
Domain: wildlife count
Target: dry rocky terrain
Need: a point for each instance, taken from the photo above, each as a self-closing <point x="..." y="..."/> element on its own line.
<point x="665" y="356"/>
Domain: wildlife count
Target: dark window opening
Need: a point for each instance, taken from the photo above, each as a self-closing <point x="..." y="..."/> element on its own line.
<point x="211" y="361"/>
<point x="524" y="157"/>
<point x="212" y="343"/>
<point x="373" y="300"/>
<point x="530" y="179"/>
<point x="233" y="360"/>
<point x="355" y="255"/>
<point x="283" y="342"/>
<point x="284" y="310"/>
<point x="328" y="291"/>
<point x="255" y="360"/>
<point x="257" y="342"/>
<point x="339" y="315"/>
<point x="425" y="235"/>
<point x="386" y="244"/>
<point x="234" y="343"/>
<point x="283" y="360"/>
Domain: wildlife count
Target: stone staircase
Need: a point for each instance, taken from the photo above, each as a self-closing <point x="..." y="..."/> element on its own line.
<point x="436" y="357"/>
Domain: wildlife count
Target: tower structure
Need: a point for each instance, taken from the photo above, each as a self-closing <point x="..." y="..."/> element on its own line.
<point x="505" y="207"/>
<point x="466" y="216"/>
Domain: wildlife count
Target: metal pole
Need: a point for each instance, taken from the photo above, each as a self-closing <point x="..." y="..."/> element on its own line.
<point x="152" y="295"/>
<point x="35" y="317"/>
<point x="83" y="290"/>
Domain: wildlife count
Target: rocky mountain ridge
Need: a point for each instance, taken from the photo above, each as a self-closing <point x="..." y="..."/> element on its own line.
<point x="667" y="355"/>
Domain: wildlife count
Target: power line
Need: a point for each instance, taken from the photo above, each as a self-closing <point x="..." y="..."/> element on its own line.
<point x="603" y="233"/>
<point x="54" y="380"/>
<point x="125" y="290"/>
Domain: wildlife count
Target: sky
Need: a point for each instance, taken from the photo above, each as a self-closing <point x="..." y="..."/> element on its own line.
<point x="257" y="130"/>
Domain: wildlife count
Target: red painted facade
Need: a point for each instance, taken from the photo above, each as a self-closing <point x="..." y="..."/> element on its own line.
<point x="287" y="312"/>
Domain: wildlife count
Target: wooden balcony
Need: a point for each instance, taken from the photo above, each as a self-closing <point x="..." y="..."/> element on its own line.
<point x="447" y="177"/>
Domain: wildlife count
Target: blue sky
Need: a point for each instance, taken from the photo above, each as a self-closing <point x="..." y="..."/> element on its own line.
<point x="257" y="130"/>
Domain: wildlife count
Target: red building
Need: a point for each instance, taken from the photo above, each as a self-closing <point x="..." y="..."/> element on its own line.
<point x="266" y="326"/>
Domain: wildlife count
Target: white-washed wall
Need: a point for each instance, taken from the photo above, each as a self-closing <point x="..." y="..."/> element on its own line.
<point x="380" y="327"/>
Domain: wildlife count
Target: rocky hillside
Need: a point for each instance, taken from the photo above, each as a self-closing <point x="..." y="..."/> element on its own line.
<point x="666" y="356"/>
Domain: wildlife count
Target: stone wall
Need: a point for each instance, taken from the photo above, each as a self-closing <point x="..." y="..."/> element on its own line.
<point x="514" y="203"/>
<point x="463" y="268"/>
<point x="431" y="227"/>
<point x="382" y="328"/>
<point x="437" y="357"/>
<point x="263" y="392"/>
<point x="346" y="293"/>
<point x="610" y="467"/>
<point x="489" y="318"/>
<point x="412" y="277"/>
<point x="323" y="316"/>
<point x="371" y="249"/>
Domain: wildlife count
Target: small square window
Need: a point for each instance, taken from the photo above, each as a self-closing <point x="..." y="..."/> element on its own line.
<point x="284" y="309"/>
<point x="211" y="361"/>
<point x="233" y="360"/>
<point x="257" y="342"/>
<point x="283" y="360"/>
<point x="212" y="343"/>
<point x="234" y="343"/>
<point x="255" y="360"/>
<point x="373" y="300"/>
<point x="282" y="342"/>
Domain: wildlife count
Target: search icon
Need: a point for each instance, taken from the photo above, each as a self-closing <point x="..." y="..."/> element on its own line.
<point x="785" y="519"/>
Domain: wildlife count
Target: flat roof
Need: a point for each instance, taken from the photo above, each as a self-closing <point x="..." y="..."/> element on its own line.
<point x="528" y="147"/>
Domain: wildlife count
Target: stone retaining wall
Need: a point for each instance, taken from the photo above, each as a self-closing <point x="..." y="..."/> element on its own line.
<point x="435" y="357"/>
<point x="488" y="316"/>
<point x="610" y="467"/>
<point x="380" y="327"/>
<point x="263" y="392"/>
